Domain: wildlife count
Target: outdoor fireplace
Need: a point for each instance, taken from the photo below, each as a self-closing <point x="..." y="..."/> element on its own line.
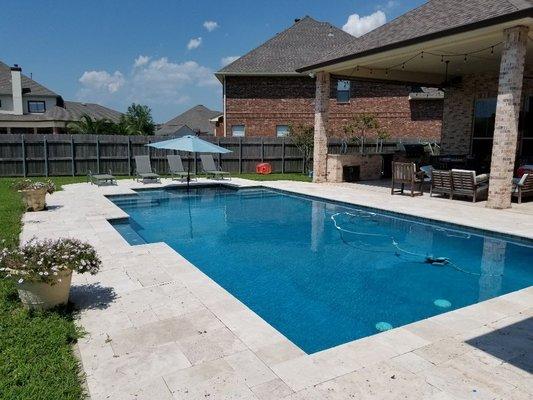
<point x="353" y="167"/>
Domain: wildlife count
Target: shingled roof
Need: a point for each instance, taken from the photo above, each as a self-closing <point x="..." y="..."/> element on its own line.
<point x="196" y="118"/>
<point x="35" y="88"/>
<point x="72" y="111"/>
<point x="432" y="19"/>
<point x="303" y="43"/>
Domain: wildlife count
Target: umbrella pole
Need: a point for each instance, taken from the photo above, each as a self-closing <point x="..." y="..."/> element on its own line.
<point x="188" y="172"/>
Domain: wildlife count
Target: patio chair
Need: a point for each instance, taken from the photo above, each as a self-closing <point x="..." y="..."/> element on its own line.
<point x="176" y="168"/>
<point x="143" y="170"/>
<point x="441" y="183"/>
<point x="403" y="173"/>
<point x="523" y="186"/>
<point x="466" y="183"/>
<point x="211" y="169"/>
<point x="100" y="179"/>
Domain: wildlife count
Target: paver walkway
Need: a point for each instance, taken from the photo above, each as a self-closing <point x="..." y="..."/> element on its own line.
<point x="158" y="328"/>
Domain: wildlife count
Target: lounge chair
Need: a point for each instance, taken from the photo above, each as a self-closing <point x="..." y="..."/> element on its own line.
<point x="143" y="170"/>
<point x="211" y="169"/>
<point x="466" y="183"/>
<point x="441" y="183"/>
<point x="100" y="179"/>
<point x="403" y="173"/>
<point x="176" y="168"/>
<point x="523" y="186"/>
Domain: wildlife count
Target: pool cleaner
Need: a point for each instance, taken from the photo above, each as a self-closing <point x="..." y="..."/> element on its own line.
<point x="440" y="261"/>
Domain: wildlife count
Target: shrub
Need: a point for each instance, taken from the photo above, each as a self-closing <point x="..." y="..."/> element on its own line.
<point x="28" y="184"/>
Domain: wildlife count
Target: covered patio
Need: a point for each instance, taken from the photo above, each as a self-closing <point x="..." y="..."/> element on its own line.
<point x="480" y="55"/>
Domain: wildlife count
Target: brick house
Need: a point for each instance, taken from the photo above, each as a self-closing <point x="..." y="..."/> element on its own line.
<point x="479" y="52"/>
<point x="263" y="94"/>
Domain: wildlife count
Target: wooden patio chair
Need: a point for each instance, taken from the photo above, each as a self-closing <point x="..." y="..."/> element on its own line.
<point x="466" y="183"/>
<point x="403" y="173"/>
<point x="523" y="187"/>
<point x="441" y="183"/>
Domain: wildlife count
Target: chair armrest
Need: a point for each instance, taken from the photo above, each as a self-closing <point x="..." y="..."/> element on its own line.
<point x="482" y="178"/>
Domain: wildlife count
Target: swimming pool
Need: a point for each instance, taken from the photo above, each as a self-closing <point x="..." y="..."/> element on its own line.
<point x="324" y="273"/>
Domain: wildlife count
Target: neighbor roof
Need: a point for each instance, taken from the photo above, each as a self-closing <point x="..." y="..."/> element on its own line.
<point x="35" y="88"/>
<point x="432" y="19"/>
<point x="196" y="118"/>
<point x="72" y="111"/>
<point x="301" y="44"/>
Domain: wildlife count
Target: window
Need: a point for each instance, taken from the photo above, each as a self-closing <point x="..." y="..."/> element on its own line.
<point x="282" y="130"/>
<point x="484" y="116"/>
<point x="36" y="106"/>
<point x="237" y="130"/>
<point x="343" y="91"/>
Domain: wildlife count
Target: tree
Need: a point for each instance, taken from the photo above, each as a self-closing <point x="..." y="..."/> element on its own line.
<point x="303" y="137"/>
<point x="362" y="125"/>
<point x="88" y="126"/>
<point x="138" y="120"/>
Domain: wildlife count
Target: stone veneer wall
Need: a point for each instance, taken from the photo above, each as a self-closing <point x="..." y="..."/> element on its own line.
<point x="370" y="166"/>
<point x="458" y="113"/>
<point x="261" y="103"/>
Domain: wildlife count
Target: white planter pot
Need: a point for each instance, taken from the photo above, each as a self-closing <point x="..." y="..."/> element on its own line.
<point x="42" y="296"/>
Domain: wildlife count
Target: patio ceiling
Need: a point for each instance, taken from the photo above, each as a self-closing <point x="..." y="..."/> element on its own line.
<point x="406" y="64"/>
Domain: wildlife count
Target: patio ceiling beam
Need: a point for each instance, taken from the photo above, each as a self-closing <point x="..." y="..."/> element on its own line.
<point x="507" y="115"/>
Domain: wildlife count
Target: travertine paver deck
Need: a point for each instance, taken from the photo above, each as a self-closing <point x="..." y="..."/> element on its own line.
<point x="158" y="328"/>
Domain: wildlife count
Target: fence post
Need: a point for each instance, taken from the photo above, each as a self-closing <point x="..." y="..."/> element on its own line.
<point x="97" y="154"/>
<point x="262" y="150"/>
<point x="218" y="155"/>
<point x="283" y="155"/>
<point x="129" y="156"/>
<point x="240" y="155"/>
<point x="24" y="172"/>
<point x="72" y="157"/>
<point x="45" y="150"/>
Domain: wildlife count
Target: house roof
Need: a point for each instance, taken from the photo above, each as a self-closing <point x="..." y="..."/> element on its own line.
<point x="179" y="131"/>
<point x="72" y="111"/>
<point x="303" y="43"/>
<point x="196" y="118"/>
<point x="35" y="88"/>
<point x="435" y="18"/>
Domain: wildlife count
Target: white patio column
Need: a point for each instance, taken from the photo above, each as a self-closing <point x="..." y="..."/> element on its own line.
<point x="320" y="150"/>
<point x="507" y="110"/>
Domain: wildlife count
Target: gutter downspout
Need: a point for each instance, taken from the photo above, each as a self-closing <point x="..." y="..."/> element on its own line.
<point x="224" y="104"/>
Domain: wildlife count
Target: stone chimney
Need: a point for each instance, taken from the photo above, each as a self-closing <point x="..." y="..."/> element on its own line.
<point x="16" y="86"/>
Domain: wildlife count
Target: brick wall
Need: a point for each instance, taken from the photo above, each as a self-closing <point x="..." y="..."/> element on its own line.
<point x="458" y="112"/>
<point x="261" y="103"/>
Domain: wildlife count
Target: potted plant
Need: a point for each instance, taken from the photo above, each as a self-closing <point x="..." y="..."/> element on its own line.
<point x="43" y="270"/>
<point x="34" y="193"/>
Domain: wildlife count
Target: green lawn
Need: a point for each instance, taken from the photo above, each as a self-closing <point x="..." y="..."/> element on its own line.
<point x="36" y="359"/>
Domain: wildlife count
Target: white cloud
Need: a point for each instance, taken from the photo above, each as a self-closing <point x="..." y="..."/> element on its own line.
<point x="228" y="60"/>
<point x="211" y="25"/>
<point x="102" y="81"/>
<point x="358" y="26"/>
<point x="140" y="61"/>
<point x="194" y="43"/>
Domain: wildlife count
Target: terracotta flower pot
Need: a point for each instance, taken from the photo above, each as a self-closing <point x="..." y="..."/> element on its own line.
<point x="42" y="296"/>
<point x="34" y="199"/>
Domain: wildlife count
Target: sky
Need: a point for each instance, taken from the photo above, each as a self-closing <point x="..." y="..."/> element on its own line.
<point x="159" y="53"/>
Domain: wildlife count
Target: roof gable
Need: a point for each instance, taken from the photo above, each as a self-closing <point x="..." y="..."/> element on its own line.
<point x="196" y="118"/>
<point x="302" y="43"/>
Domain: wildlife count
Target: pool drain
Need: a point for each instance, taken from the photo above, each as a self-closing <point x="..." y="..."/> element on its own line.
<point x="442" y="303"/>
<point x="383" y="326"/>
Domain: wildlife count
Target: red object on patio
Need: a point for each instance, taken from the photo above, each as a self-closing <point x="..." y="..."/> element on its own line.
<point x="524" y="169"/>
<point x="263" y="168"/>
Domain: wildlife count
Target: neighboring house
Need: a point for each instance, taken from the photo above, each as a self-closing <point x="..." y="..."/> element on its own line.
<point x="263" y="94"/>
<point x="480" y="52"/>
<point x="200" y="119"/>
<point x="28" y="107"/>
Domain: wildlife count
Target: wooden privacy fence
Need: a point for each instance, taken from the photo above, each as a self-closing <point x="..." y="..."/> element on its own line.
<point x="55" y="155"/>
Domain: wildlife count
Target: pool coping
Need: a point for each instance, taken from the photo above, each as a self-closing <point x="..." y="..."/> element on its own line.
<point x="295" y="368"/>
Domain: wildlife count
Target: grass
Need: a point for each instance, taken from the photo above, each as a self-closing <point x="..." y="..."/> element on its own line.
<point x="36" y="358"/>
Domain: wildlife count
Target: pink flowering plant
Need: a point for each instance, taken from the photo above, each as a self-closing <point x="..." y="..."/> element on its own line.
<point x="28" y="184"/>
<point x="43" y="261"/>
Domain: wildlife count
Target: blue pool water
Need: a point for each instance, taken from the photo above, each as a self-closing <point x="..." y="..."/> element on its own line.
<point x="324" y="273"/>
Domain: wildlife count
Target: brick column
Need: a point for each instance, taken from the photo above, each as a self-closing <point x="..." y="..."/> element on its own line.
<point x="507" y="110"/>
<point x="320" y="151"/>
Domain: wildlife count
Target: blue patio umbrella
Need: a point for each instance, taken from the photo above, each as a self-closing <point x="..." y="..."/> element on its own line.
<point x="191" y="144"/>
